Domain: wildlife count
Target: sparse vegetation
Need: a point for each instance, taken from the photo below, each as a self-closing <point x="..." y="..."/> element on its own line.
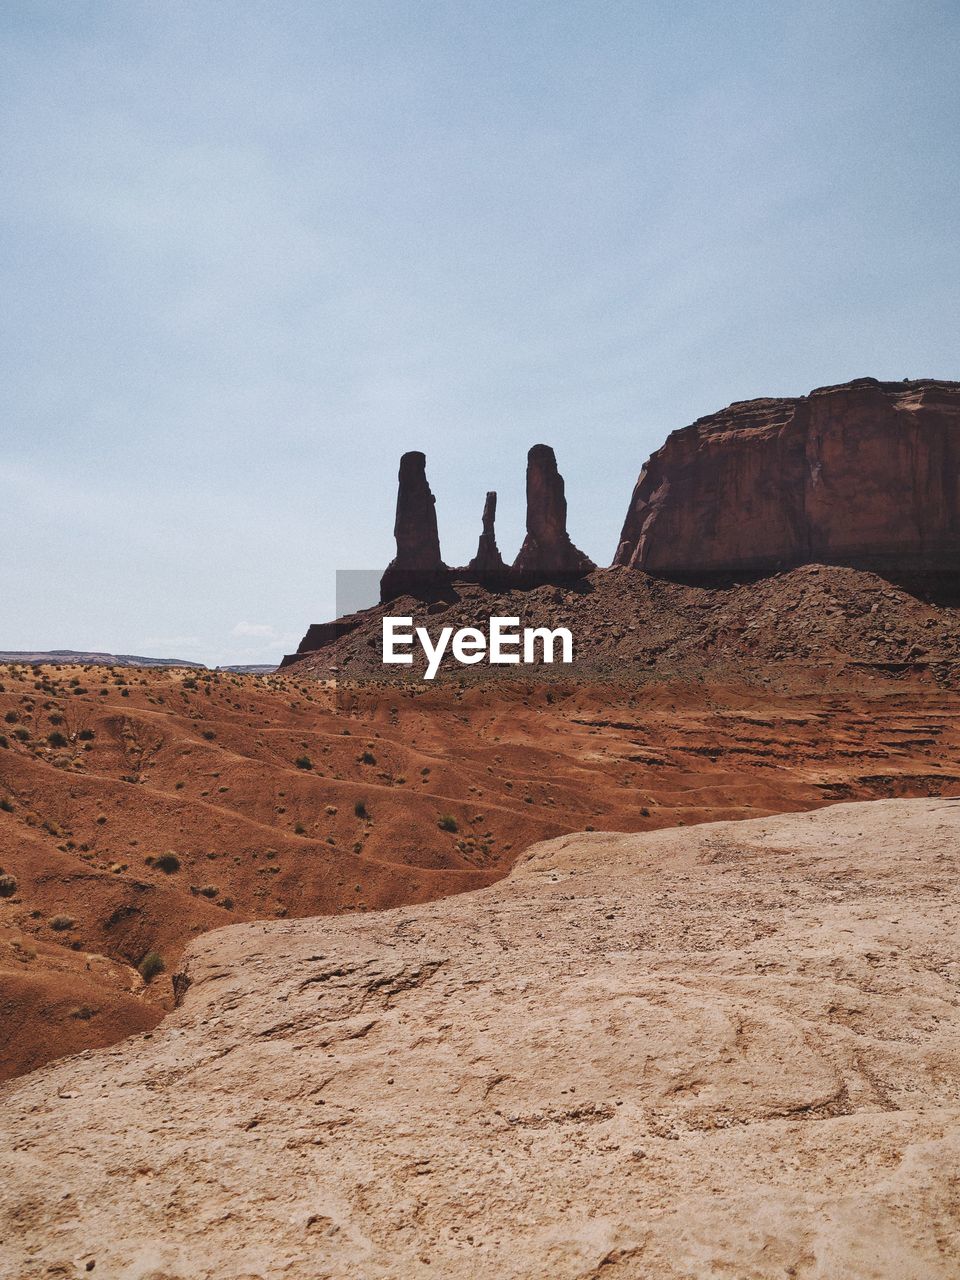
<point x="167" y="862"/>
<point x="151" y="964"/>
<point x="57" y="739"/>
<point x="8" y="886"/>
<point x="368" y="758"/>
<point x="360" y="809"/>
<point x="6" y="804"/>
<point x="209" y="735"/>
<point x="303" y="762"/>
<point x="60" y="924"/>
<point x="448" y="823"/>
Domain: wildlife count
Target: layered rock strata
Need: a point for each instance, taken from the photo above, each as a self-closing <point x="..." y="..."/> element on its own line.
<point x="865" y="474"/>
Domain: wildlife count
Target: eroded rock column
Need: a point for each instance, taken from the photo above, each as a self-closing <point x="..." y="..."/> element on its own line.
<point x="547" y="550"/>
<point x="488" y="558"/>
<point x="417" y="564"/>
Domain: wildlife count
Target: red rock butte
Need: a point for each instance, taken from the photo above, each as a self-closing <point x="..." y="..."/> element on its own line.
<point x="865" y="474"/>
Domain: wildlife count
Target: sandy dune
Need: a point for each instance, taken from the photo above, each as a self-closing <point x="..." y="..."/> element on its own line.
<point x="724" y="1051"/>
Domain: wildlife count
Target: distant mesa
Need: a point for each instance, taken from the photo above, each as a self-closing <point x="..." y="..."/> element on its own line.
<point x="864" y="474"/>
<point x="89" y="658"/>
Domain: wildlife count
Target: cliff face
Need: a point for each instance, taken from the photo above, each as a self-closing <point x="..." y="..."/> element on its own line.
<point x="865" y="474"/>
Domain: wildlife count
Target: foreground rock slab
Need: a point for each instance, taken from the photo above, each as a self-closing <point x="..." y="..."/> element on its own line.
<point x="730" y="1050"/>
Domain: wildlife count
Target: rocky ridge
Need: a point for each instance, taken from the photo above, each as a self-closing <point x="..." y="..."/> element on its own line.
<point x="629" y="627"/>
<point x="865" y="474"/>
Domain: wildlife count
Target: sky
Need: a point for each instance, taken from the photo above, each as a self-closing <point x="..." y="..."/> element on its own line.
<point x="252" y="252"/>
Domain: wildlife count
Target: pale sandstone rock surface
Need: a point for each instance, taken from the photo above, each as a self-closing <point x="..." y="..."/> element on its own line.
<point x="730" y="1050"/>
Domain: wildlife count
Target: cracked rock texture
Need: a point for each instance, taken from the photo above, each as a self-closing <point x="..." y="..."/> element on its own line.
<point x="730" y="1050"/>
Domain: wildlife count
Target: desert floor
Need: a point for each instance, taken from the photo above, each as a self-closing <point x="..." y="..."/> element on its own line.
<point x="728" y="1050"/>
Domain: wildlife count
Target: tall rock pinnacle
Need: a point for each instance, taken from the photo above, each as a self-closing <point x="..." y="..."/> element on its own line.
<point x="547" y="549"/>
<point x="488" y="558"/>
<point x="417" y="564"/>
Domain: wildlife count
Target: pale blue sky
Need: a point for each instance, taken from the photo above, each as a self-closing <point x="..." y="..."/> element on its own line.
<point x="251" y="252"/>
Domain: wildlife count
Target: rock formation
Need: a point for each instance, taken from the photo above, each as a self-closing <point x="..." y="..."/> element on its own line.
<point x="417" y="564"/>
<point x="488" y="558"/>
<point x="547" y="550"/>
<point x="626" y="1060"/>
<point x="320" y="635"/>
<point x="547" y="554"/>
<point x="865" y="474"/>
